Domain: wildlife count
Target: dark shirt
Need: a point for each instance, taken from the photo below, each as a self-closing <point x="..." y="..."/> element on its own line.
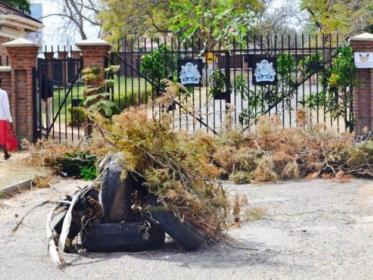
<point x="46" y="88"/>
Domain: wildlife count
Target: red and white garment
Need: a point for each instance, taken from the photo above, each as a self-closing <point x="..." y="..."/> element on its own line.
<point x="7" y="137"/>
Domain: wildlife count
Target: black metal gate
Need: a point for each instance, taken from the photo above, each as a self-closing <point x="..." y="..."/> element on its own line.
<point x="58" y="94"/>
<point x="230" y="91"/>
<point x="300" y="63"/>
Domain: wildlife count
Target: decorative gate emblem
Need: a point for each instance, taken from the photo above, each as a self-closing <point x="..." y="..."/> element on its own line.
<point x="190" y="71"/>
<point x="264" y="71"/>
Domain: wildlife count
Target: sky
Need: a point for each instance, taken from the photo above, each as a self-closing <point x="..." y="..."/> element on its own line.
<point x="55" y="34"/>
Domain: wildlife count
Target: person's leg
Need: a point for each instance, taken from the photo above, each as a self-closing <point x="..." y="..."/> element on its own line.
<point x="44" y="111"/>
<point x="6" y="153"/>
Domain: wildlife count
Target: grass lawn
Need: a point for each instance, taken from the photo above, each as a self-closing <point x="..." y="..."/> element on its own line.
<point x="127" y="92"/>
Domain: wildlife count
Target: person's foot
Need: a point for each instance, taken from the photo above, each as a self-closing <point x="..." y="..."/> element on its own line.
<point x="6" y="156"/>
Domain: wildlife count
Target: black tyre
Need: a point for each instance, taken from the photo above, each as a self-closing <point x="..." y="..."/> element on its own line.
<point x="79" y="210"/>
<point x="183" y="233"/>
<point x="115" y="194"/>
<point x="127" y="237"/>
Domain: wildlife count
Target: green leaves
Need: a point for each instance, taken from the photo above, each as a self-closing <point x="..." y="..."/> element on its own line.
<point x="22" y="5"/>
<point x="88" y="173"/>
<point x="343" y="16"/>
<point x="158" y="65"/>
<point x="338" y="82"/>
<point x="96" y="97"/>
<point x="216" y="82"/>
<point x="212" y="21"/>
<point x="207" y="20"/>
<point x="105" y="107"/>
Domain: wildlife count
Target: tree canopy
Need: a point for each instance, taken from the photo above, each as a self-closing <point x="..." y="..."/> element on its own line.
<point x="134" y="17"/>
<point x="208" y="20"/>
<point x="22" y="5"/>
<point x="342" y="16"/>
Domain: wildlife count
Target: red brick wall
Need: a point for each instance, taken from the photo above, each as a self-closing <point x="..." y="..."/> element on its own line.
<point x="23" y="60"/>
<point x="363" y="92"/>
<point x="94" y="56"/>
<point x="23" y="107"/>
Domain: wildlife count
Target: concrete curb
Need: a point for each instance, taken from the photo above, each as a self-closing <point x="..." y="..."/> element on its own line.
<point x="16" y="188"/>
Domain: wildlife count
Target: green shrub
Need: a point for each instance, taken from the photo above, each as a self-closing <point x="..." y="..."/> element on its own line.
<point x="77" y="116"/>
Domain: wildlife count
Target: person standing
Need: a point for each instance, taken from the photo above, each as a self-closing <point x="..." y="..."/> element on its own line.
<point x="7" y="138"/>
<point x="46" y="92"/>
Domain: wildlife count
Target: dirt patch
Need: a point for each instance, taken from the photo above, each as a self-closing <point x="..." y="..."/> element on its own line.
<point x="18" y="169"/>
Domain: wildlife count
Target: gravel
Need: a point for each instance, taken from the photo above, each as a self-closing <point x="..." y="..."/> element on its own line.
<point x="316" y="229"/>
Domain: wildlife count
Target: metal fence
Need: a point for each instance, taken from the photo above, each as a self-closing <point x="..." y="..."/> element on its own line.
<point x="58" y="94"/>
<point x="228" y="93"/>
<point x="227" y="89"/>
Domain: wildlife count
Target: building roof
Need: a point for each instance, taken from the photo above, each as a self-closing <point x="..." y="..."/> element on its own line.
<point x="6" y="9"/>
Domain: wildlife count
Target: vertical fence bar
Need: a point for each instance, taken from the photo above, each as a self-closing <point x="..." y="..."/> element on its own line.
<point x="276" y="86"/>
<point x="64" y="85"/>
<point x="303" y="57"/>
<point x="126" y="69"/>
<point x="282" y="84"/>
<point x="199" y="113"/>
<point x="289" y="79"/>
<point x="323" y="83"/>
<point x="193" y="91"/>
<point x="139" y="79"/>
<point x="249" y="94"/>
<point x="261" y="86"/>
<point x="310" y="79"/>
<point x="296" y="72"/>
<point x="254" y="56"/>
<point x="317" y="84"/>
<point x="241" y="61"/>
<point x="71" y="109"/>
<point x="234" y="62"/>
<point x="206" y="104"/>
<point x="78" y="66"/>
<point x="172" y="60"/>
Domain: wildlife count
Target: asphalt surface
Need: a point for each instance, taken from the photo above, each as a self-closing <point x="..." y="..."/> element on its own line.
<point x="311" y="230"/>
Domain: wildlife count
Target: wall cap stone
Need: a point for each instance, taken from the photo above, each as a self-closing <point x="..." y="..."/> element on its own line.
<point x="363" y="37"/>
<point x="92" y="42"/>
<point x="20" y="42"/>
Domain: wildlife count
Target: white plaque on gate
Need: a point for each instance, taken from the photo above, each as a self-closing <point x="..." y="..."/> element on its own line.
<point x="364" y="59"/>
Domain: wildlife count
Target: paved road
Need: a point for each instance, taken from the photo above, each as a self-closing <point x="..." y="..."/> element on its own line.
<point x="311" y="230"/>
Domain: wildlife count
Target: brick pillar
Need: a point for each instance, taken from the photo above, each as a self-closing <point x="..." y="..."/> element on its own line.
<point x="94" y="53"/>
<point x="362" y="98"/>
<point x="23" y="55"/>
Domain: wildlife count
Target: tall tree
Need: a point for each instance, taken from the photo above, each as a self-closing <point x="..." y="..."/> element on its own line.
<point x="213" y="20"/>
<point x="22" y="5"/>
<point x="78" y="14"/>
<point x="284" y="19"/>
<point x="208" y="20"/>
<point x="342" y="16"/>
<point x="135" y="17"/>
